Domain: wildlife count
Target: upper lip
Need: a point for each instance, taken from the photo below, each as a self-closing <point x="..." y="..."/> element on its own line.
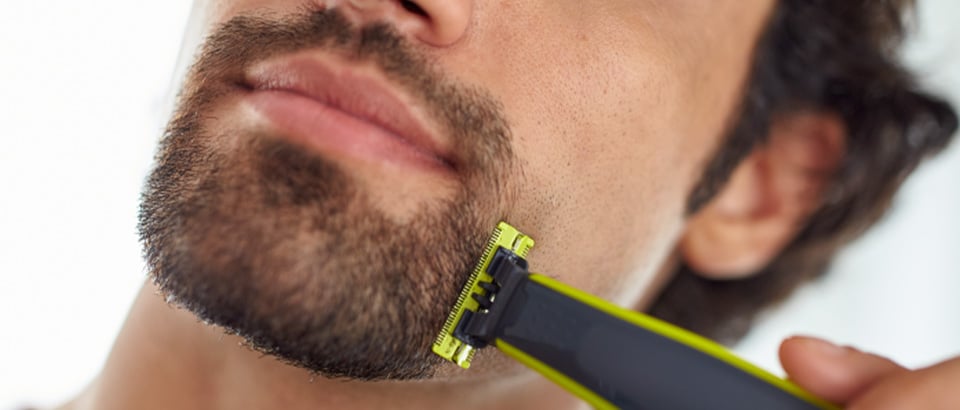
<point x="362" y="94"/>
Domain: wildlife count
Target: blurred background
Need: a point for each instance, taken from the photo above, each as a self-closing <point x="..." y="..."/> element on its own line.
<point x="84" y="89"/>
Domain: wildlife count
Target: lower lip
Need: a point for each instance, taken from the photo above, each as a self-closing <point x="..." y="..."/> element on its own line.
<point x="335" y="133"/>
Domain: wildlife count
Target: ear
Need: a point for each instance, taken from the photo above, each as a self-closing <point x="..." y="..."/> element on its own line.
<point x="768" y="198"/>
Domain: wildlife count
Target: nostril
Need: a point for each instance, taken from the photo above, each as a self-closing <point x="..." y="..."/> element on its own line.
<point x="413" y="8"/>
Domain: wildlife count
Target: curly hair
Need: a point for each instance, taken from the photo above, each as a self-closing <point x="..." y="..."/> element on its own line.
<point x="829" y="56"/>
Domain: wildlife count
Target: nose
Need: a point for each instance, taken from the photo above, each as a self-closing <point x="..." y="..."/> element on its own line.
<point x="439" y="23"/>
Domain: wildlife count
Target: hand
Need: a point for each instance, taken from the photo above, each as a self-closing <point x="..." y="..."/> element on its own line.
<point x="858" y="380"/>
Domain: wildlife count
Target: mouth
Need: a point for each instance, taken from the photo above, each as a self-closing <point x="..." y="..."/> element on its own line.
<point x="345" y="112"/>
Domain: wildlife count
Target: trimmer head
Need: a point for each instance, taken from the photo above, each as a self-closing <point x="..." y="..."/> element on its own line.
<point x="447" y="345"/>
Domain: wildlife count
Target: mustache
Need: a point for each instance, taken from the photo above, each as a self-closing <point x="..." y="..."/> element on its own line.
<point x="470" y="116"/>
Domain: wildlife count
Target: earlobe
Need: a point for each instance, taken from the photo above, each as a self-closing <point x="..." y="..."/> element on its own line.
<point x="767" y="199"/>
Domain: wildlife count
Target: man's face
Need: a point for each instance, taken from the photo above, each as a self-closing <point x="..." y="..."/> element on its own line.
<point x="334" y="168"/>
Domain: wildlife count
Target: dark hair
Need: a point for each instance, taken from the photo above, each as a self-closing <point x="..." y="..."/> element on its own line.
<point x="829" y="56"/>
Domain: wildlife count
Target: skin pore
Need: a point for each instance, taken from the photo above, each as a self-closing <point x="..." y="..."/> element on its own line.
<point x="609" y="111"/>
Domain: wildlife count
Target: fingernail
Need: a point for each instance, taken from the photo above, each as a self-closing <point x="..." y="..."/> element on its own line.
<point x="824" y="347"/>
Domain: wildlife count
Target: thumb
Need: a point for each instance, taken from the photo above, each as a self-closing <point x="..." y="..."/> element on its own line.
<point x="833" y="373"/>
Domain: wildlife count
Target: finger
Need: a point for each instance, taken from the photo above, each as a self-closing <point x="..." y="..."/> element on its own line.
<point x="931" y="388"/>
<point x="833" y="373"/>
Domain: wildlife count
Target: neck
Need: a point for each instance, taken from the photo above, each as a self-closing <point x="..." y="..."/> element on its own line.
<point x="165" y="358"/>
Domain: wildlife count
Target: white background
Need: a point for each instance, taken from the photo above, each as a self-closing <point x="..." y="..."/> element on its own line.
<point x="83" y="89"/>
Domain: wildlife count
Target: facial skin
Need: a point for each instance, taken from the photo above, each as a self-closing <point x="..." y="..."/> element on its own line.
<point x="585" y="130"/>
<point x="584" y="125"/>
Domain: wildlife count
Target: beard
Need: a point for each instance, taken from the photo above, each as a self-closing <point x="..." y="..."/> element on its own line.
<point x="281" y="246"/>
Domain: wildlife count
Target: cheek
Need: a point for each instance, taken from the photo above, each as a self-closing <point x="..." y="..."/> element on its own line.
<point x="605" y="197"/>
<point x="605" y="169"/>
<point x="614" y="115"/>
